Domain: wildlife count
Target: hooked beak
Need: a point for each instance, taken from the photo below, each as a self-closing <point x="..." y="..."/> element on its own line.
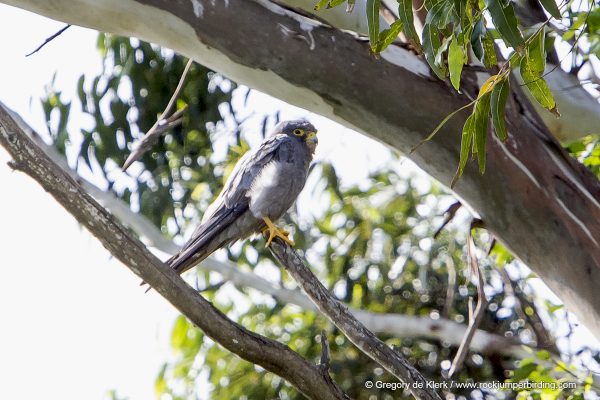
<point x="311" y="137"/>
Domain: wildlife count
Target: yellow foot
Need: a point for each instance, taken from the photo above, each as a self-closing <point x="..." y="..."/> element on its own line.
<point x="274" y="232"/>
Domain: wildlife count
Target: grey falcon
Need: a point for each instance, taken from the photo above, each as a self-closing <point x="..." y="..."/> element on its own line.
<point x="263" y="185"/>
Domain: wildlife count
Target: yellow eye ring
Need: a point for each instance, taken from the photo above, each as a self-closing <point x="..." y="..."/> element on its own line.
<point x="298" y="132"/>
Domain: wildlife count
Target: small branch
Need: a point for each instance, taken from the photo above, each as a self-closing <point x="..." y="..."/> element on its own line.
<point x="450" y="213"/>
<point x="164" y="123"/>
<point x="49" y="39"/>
<point x="341" y="317"/>
<point x="269" y="354"/>
<point x="325" y="351"/>
<point x="543" y="338"/>
<point x="475" y="316"/>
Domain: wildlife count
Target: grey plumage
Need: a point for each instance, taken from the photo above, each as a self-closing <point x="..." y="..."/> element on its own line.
<point x="262" y="187"/>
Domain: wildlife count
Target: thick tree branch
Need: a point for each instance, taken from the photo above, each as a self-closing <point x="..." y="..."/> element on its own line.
<point x="341" y="317"/>
<point x="269" y="354"/>
<point x="543" y="206"/>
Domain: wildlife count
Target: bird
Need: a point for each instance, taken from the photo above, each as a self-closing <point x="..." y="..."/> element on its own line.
<point x="263" y="185"/>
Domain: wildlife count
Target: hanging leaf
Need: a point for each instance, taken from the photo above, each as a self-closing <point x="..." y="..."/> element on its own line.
<point x="551" y="7"/>
<point x="440" y="14"/>
<point x="457" y="57"/>
<point x="488" y="85"/>
<point x="387" y="36"/>
<point x="498" y="105"/>
<point x="481" y="112"/>
<point x="503" y="16"/>
<point x="373" y="22"/>
<point x="431" y="44"/>
<point x="405" y="13"/>
<point x="321" y="4"/>
<point x="476" y="35"/>
<point x="536" y="52"/>
<point x="538" y="87"/>
<point x="474" y="135"/>
<point x="532" y="69"/>
<point x="489" y="52"/>
<point x="465" y="146"/>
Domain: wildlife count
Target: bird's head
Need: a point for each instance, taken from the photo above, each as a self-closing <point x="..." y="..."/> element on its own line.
<point x="300" y="130"/>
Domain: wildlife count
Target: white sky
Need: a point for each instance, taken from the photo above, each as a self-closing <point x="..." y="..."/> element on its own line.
<point x="73" y="322"/>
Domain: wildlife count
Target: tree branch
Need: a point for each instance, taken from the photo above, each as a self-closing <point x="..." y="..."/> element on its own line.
<point x="341" y="317"/>
<point x="269" y="354"/>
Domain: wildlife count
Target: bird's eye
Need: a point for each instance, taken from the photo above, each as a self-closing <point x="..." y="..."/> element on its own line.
<point x="298" y="132"/>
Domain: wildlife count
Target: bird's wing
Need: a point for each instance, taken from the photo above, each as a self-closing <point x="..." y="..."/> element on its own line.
<point x="248" y="168"/>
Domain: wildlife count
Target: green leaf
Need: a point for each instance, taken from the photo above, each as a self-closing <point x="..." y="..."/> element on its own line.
<point x="578" y="23"/>
<point x="476" y="34"/>
<point x="551" y="7"/>
<point x="456" y="59"/>
<point x="431" y="44"/>
<point x="387" y="36"/>
<point x="503" y="16"/>
<point x="481" y="112"/>
<point x="498" y="104"/>
<point x="373" y="22"/>
<point x="335" y="3"/>
<point x="321" y="4"/>
<point x="405" y="13"/>
<point x="465" y="144"/>
<point x="532" y="70"/>
<point x="524" y="370"/>
<point x="440" y="14"/>
<point x="474" y="135"/>
<point x="536" y="52"/>
<point x="489" y="52"/>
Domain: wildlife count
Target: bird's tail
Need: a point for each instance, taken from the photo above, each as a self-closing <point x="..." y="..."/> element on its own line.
<point x="208" y="238"/>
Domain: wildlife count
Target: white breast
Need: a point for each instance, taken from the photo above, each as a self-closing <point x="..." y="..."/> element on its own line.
<point x="261" y="191"/>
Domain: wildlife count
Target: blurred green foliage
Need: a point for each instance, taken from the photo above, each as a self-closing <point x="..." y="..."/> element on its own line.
<point x="371" y="242"/>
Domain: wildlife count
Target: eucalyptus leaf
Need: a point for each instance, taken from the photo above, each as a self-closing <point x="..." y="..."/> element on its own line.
<point x="505" y="20"/>
<point x="405" y="13"/>
<point x="551" y="7"/>
<point x="431" y="44"/>
<point x="387" y="36"/>
<point x="373" y="22"/>
<point x="498" y="105"/>
<point x="456" y="59"/>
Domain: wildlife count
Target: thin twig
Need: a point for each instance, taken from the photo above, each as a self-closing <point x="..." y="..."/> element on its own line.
<point x="543" y="338"/>
<point x="49" y="39"/>
<point x="449" y="213"/>
<point x="476" y="315"/>
<point x="325" y="351"/>
<point x="162" y="124"/>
